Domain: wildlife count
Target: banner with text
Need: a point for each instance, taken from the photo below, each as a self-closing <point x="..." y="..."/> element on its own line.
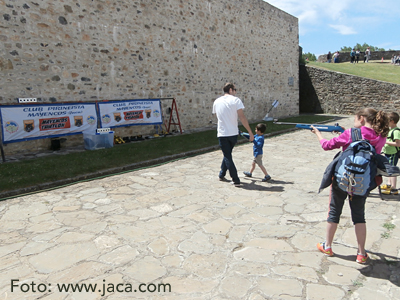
<point x="130" y="112"/>
<point x="27" y="122"/>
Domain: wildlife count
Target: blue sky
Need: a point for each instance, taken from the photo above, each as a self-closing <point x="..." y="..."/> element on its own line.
<point x="329" y="25"/>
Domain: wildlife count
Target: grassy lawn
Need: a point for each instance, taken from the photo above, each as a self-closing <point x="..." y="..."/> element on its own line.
<point x="375" y="70"/>
<point x="33" y="172"/>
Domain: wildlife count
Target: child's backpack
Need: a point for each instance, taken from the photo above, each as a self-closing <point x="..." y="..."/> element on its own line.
<point x="391" y="137"/>
<point x="356" y="168"/>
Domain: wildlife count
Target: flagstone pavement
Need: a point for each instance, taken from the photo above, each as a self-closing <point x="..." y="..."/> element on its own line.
<point x="173" y="231"/>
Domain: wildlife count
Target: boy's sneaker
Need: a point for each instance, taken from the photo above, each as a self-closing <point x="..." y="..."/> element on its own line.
<point x="362" y="259"/>
<point x="386" y="187"/>
<point x="328" y="251"/>
<point x="390" y="192"/>
<point x="248" y="174"/>
<point x="236" y="184"/>
<point x="266" y="178"/>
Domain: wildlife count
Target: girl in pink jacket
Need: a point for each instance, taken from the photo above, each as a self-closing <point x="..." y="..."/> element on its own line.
<point x="374" y="128"/>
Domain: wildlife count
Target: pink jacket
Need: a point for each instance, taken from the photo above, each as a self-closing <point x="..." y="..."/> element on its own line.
<point x="344" y="140"/>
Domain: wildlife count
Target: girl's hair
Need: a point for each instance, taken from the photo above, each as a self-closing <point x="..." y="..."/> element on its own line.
<point x="378" y="119"/>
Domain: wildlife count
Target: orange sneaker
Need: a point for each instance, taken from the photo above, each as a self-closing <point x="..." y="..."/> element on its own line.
<point x="362" y="259"/>
<point x="326" y="251"/>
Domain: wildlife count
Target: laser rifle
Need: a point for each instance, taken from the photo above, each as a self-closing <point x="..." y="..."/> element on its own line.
<point x="326" y="128"/>
<point x="244" y="134"/>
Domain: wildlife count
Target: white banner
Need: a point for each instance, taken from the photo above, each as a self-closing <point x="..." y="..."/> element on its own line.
<point x="26" y="122"/>
<point x="130" y="112"/>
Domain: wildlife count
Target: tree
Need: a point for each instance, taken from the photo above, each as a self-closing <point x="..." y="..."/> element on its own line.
<point x="310" y="56"/>
<point x="345" y="49"/>
<point x="362" y="48"/>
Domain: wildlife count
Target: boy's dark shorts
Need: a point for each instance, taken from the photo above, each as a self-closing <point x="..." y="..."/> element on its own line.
<point x="393" y="159"/>
<point x="337" y="198"/>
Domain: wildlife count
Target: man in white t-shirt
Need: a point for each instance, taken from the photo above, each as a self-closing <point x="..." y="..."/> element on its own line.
<point x="228" y="109"/>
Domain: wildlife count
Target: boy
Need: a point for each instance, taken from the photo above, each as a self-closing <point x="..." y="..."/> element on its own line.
<point x="258" y="152"/>
<point x="390" y="151"/>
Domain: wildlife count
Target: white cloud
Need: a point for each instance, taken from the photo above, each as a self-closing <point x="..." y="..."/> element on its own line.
<point x="343" y="29"/>
<point x="345" y="22"/>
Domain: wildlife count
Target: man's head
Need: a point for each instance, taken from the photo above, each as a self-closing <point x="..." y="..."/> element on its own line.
<point x="229" y="88"/>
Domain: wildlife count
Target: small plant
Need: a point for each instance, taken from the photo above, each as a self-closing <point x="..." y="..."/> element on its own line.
<point x="389" y="226"/>
<point x="357" y="283"/>
<point x="385" y="235"/>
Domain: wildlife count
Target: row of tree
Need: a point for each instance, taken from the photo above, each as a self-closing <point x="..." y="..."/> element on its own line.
<point x="311" y="57"/>
<point x="362" y="48"/>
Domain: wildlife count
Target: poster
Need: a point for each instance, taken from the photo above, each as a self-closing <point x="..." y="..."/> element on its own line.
<point x="130" y="112"/>
<point x="37" y="121"/>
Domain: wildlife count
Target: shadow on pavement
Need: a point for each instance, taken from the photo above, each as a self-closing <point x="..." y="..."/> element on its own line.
<point x="385" y="267"/>
<point x="259" y="187"/>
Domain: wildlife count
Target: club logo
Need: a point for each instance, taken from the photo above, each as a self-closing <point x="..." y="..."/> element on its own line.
<point x="11" y="127"/>
<point x="91" y="120"/>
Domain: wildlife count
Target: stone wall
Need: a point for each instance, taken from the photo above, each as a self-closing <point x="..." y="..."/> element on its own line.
<point x="323" y="91"/>
<point x="376" y="55"/>
<point x="87" y="50"/>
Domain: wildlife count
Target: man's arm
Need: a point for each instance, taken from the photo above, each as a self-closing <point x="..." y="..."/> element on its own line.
<point x="245" y="123"/>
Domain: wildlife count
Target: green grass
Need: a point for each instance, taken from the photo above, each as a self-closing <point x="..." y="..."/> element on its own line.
<point x="32" y="172"/>
<point x="375" y="70"/>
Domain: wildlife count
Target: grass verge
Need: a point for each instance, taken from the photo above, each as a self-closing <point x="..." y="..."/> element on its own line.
<point x="29" y="173"/>
<point x="374" y="70"/>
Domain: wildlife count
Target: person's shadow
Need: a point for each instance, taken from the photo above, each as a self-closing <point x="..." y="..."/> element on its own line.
<point x="384" y="267"/>
<point x="250" y="184"/>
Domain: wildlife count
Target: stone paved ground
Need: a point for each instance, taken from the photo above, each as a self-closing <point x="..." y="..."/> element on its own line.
<point x="177" y="224"/>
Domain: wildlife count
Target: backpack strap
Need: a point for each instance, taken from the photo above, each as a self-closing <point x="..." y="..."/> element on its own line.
<point x="392" y="137"/>
<point x="356" y="134"/>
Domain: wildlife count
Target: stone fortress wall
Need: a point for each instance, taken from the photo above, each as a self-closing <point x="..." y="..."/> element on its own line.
<point x="86" y="50"/>
<point x="324" y="91"/>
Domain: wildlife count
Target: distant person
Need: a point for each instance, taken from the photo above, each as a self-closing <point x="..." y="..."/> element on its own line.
<point x="228" y="108"/>
<point x="336" y="57"/>
<point x="352" y="56"/>
<point x="357" y="55"/>
<point x="258" y="152"/>
<point x="329" y="57"/>
<point x="367" y="55"/>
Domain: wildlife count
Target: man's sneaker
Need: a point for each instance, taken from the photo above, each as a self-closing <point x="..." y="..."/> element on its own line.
<point x="390" y="192"/>
<point x="386" y="187"/>
<point x="222" y="178"/>
<point x="266" y="178"/>
<point x="236" y="184"/>
<point x="248" y="174"/>
<point x="362" y="259"/>
<point x="328" y="251"/>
